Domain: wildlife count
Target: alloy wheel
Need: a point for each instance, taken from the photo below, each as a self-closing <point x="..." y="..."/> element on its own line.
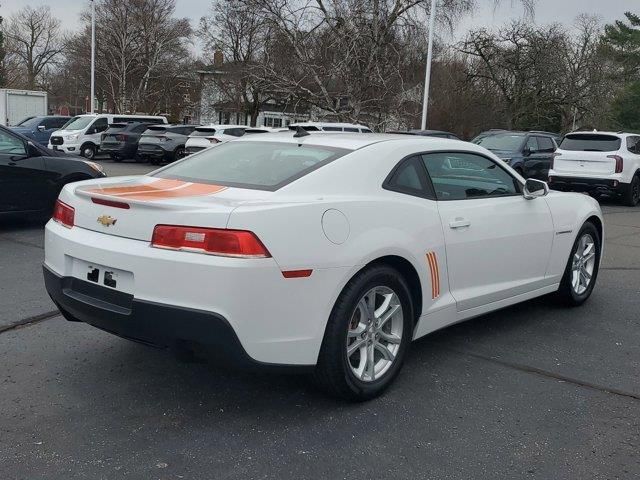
<point x="374" y="334"/>
<point x="583" y="264"/>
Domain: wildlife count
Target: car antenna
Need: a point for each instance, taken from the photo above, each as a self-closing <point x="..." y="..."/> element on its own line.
<point x="300" y="132"/>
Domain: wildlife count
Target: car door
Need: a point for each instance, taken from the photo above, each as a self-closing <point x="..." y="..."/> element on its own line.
<point x="497" y="242"/>
<point x="94" y="132"/>
<point x="546" y="148"/>
<point x="23" y="178"/>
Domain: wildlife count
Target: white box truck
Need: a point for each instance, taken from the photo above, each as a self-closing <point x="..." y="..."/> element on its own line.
<point x="16" y="105"/>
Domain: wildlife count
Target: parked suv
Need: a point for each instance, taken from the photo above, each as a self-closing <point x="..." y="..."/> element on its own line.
<point x="164" y="143"/>
<point x="83" y="133"/>
<point x="599" y="163"/>
<point x="209" y="135"/>
<point x="40" y="129"/>
<point x="120" y="140"/>
<point x="528" y="153"/>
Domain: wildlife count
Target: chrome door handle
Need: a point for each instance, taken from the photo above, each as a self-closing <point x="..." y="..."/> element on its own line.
<point x="459" y="223"/>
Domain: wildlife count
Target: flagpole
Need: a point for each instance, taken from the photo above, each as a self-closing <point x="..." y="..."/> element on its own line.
<point x="427" y="76"/>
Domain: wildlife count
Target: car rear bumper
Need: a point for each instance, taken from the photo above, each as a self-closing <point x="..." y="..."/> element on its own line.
<point x="191" y="150"/>
<point x="163" y="326"/>
<point x="587" y="185"/>
<point x="117" y="148"/>
<point x="275" y="320"/>
<point x="153" y="151"/>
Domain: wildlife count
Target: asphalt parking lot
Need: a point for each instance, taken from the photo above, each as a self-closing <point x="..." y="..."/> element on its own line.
<point x="533" y="391"/>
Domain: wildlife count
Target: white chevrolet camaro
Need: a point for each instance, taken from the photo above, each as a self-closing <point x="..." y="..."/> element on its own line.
<point x="324" y="252"/>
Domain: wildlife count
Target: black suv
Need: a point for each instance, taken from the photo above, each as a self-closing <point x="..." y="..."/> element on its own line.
<point x="120" y="140"/>
<point x="529" y="153"/>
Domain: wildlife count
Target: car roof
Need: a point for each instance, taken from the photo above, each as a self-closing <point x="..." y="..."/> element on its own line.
<point x="349" y="141"/>
<point x="222" y="126"/>
<point x="602" y="132"/>
<point x="327" y="124"/>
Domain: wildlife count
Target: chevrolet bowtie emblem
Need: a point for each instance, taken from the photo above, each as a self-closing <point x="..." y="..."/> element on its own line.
<point x="107" y="220"/>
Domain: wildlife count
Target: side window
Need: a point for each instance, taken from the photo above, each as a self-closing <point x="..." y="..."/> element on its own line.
<point x="409" y="178"/>
<point x="49" y="123"/>
<point x="366" y="130"/>
<point x="351" y="129"/>
<point x="633" y="145"/>
<point x="59" y="122"/>
<point x="545" y="144"/>
<point x="100" y="125"/>
<point x="10" y="145"/>
<point x="532" y="144"/>
<point x="332" y="129"/>
<point x="139" y="128"/>
<point x="461" y="176"/>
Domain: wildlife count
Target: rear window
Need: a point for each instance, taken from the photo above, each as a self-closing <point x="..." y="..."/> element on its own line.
<point x="254" y="165"/>
<point x="203" y="132"/>
<point x="591" y="143"/>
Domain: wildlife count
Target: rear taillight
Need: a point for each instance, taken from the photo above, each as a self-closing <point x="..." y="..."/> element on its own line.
<point x="214" y="241"/>
<point x="63" y="214"/>
<point x="619" y="162"/>
<point x="213" y="140"/>
<point x="121" y="138"/>
<point x="553" y="159"/>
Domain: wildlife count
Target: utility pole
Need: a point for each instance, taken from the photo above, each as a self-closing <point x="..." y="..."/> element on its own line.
<point x="93" y="56"/>
<point x="427" y="76"/>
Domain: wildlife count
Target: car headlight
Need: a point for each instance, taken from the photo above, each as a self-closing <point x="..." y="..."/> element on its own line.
<point x="96" y="166"/>
<point x="71" y="137"/>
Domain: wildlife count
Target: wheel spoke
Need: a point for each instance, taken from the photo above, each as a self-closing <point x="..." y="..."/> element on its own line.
<point x="370" y="368"/>
<point x="386" y="353"/>
<point x="385" y="305"/>
<point x="387" y="316"/>
<point x="389" y="337"/>
<point x="357" y="331"/>
<point x="370" y="302"/>
<point x="586" y="274"/>
<point x="589" y="256"/>
<point x="355" y="346"/>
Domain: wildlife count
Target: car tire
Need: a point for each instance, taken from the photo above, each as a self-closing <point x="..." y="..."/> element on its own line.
<point x="336" y="372"/>
<point x="179" y="153"/>
<point x="631" y="196"/>
<point x="88" y="151"/>
<point x="571" y="293"/>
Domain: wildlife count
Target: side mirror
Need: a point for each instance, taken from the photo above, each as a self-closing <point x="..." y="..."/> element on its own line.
<point x="526" y="151"/>
<point x="41" y="128"/>
<point x="535" y="188"/>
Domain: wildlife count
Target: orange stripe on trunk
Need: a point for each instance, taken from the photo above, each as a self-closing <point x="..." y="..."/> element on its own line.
<point x="153" y="186"/>
<point x="193" y="190"/>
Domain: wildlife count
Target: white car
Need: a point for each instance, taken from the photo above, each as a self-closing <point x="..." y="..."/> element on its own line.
<point x="83" y="133"/>
<point x="322" y="252"/>
<point x="599" y="163"/>
<point x="209" y="135"/>
<point x="331" y="127"/>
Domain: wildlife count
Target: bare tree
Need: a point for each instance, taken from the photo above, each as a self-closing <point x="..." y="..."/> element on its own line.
<point x="33" y="40"/>
<point x="142" y="54"/>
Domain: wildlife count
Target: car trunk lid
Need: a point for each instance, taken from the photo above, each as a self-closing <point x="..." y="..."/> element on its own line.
<point x="132" y="207"/>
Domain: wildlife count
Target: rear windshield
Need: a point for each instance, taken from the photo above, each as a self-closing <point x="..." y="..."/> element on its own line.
<point x="506" y="142"/>
<point x="591" y="143"/>
<point x="254" y="165"/>
<point x="203" y="132"/>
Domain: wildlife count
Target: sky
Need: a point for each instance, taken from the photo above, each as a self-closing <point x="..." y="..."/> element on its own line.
<point x="485" y="15"/>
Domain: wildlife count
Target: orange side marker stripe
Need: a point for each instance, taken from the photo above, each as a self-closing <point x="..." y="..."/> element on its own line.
<point x="433" y="291"/>
<point x="435" y="262"/>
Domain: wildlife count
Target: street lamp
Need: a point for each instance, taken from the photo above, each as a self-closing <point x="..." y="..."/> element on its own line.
<point x="93" y="56"/>
<point x="427" y="76"/>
